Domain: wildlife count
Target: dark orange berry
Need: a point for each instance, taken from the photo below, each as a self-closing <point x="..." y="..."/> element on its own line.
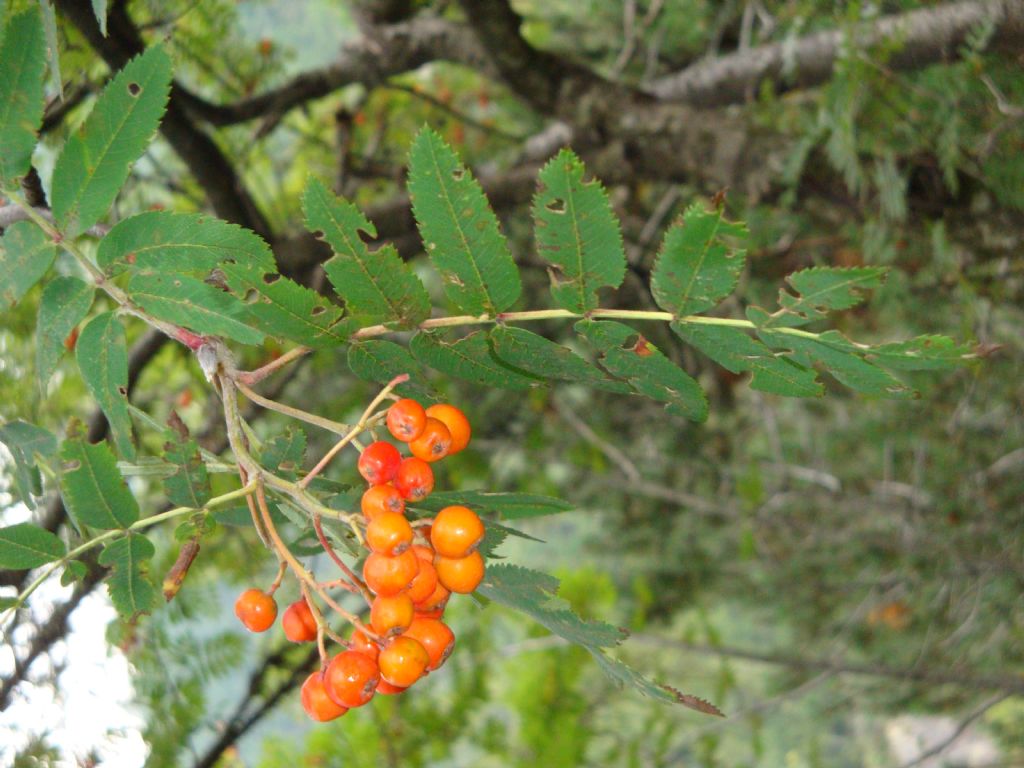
<point x="316" y="702"/>
<point x="433" y="443"/>
<point x="387" y="689"/>
<point x="415" y="479"/>
<point x="425" y="583"/>
<point x="386" y="575"/>
<point x="381" y="498"/>
<point x="457" y="423"/>
<point x="456" y="531"/>
<point x="364" y="645"/>
<point x="435" y="636"/>
<point x="351" y="679"/>
<point x="256" y="610"/>
<point x="298" y="622"/>
<point x="437" y="601"/>
<point x="406" y="419"/>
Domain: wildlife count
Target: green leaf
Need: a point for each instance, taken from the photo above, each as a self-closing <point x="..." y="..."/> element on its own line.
<point x="75" y="571"/>
<point x="380" y="361"/>
<point x="180" y="242"/>
<point x="628" y="355"/>
<point x="547" y="360"/>
<point x="25" y="546"/>
<point x="25" y="441"/>
<point x="65" y="302"/>
<point x="189" y="486"/>
<point x="820" y="289"/>
<point x="94" y="492"/>
<point x="96" y="159"/>
<point x="698" y="264"/>
<point x="468" y="358"/>
<point x="130" y="589"/>
<point x="459" y="229"/>
<point x="842" y="359"/>
<point x="25" y="257"/>
<point x="578" y="232"/>
<point x="282" y="308"/>
<point x="52" y="49"/>
<point x="284" y="454"/>
<point x="625" y="675"/>
<point x="377" y="286"/>
<point x="509" y="506"/>
<point x="99" y="9"/>
<point x="923" y="353"/>
<point x="195" y="305"/>
<point x="22" y="67"/>
<point x="102" y="357"/>
<point x="736" y="351"/>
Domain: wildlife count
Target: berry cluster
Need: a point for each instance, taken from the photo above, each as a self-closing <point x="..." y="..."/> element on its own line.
<point x="411" y="570"/>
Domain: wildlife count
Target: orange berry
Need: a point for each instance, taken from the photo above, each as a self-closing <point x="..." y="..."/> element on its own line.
<point x="391" y="615"/>
<point x="423" y="552"/>
<point x="351" y="678"/>
<point x="437" y="601"/>
<point x="316" y="702"/>
<point x="386" y="575"/>
<point x="435" y="613"/>
<point x="433" y="443"/>
<point x="364" y="645"/>
<point x="425" y="583"/>
<point x="72" y="339"/>
<point x="415" y="479"/>
<point x="435" y="637"/>
<point x="403" y="661"/>
<point x="460" y="574"/>
<point x="389" y="533"/>
<point x="387" y="689"/>
<point x="378" y="463"/>
<point x="456" y="531"/>
<point x="256" y="610"/>
<point x="457" y="423"/>
<point x="406" y="419"/>
<point x="381" y="498"/>
<point x="298" y="622"/>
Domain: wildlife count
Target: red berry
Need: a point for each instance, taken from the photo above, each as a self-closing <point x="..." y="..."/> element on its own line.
<point x="298" y="622"/>
<point x="316" y="702"/>
<point x="379" y="462"/>
<point x="415" y="479"/>
<point x="256" y="610"/>
<point x="351" y="678"/>
<point x="406" y="419"/>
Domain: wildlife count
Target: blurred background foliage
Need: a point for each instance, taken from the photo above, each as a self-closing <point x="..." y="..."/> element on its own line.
<point x="796" y="562"/>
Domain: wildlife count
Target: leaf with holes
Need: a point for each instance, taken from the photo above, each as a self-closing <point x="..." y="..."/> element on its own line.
<point x="377" y="286"/>
<point x="628" y="355"/>
<point x="468" y="358"/>
<point x="819" y="290"/>
<point x="180" y="242"/>
<point x="736" y="351"/>
<point x="25" y="546"/>
<point x="284" y="454"/>
<point x="540" y="357"/>
<point x="102" y="357"/>
<point x="25" y="256"/>
<point x="286" y="310"/>
<point x="22" y="67"/>
<point x="381" y="361"/>
<point x="841" y="358"/>
<point x="195" y="305"/>
<point x="189" y="486"/>
<point x="923" y="353"/>
<point x="459" y="230"/>
<point x="508" y="506"/>
<point x="578" y="232"/>
<point x="97" y="157"/>
<point x="65" y="302"/>
<point x="25" y="441"/>
<point x="699" y="262"/>
<point x="129" y="586"/>
<point x="94" y="492"/>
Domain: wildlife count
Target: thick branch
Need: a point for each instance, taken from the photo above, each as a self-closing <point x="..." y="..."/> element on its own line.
<point x="925" y="36"/>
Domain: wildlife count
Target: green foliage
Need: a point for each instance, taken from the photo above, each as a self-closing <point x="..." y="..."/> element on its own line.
<point x="822" y="289"/>
<point x="468" y="358"/>
<point x="189" y="486"/>
<point x="577" y="231"/>
<point x="381" y="361"/>
<point x="546" y="359"/>
<point x="102" y="357"/>
<point x="94" y="492"/>
<point x="22" y="66"/>
<point x="508" y="506"/>
<point x="95" y="161"/>
<point x="26" y="256"/>
<point x="24" y="546"/>
<point x="459" y="229"/>
<point x="64" y="304"/>
<point x="377" y="286"/>
<point x="26" y="441"/>
<point x="99" y="9"/>
<point x="131" y="592"/>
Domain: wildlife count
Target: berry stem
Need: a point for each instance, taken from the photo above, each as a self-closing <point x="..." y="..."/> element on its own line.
<point x="259" y="374"/>
<point x="310" y="418"/>
<point x="356" y="582"/>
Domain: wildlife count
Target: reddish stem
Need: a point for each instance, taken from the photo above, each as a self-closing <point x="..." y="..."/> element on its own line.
<point x="356" y="581"/>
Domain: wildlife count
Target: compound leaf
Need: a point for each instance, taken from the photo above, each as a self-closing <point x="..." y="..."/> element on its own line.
<point x="578" y="232"/>
<point x="25" y="257"/>
<point x="380" y="361"/>
<point x="65" y="302"/>
<point x="94" y="492"/>
<point x="821" y="289"/>
<point x="628" y="355"/>
<point x="189" y="486"/>
<point x="22" y="67"/>
<point x="25" y="546"/>
<point x="698" y="265"/>
<point x="468" y="358"/>
<point x="377" y="286"/>
<point x="508" y="506"/>
<point x="923" y="353"/>
<point x="102" y="357"/>
<point x="459" y="229"/>
<point x="96" y="158"/>
<point x="545" y="359"/>
<point x="130" y="589"/>
<point x="284" y="454"/>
